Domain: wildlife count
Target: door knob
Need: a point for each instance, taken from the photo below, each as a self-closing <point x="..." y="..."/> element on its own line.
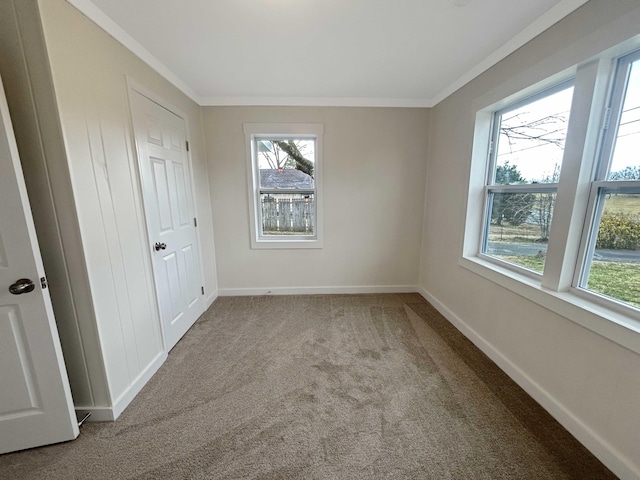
<point x="24" y="285"/>
<point x="160" y="246"/>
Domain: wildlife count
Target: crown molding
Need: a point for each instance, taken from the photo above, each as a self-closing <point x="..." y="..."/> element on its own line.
<point x="317" y="102"/>
<point x="542" y="23"/>
<point x="93" y="13"/>
<point x="549" y="18"/>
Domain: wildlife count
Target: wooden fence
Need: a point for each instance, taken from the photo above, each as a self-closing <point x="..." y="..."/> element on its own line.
<point x="290" y="214"/>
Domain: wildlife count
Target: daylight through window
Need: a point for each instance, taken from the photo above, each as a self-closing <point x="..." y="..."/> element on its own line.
<point x="612" y="264"/>
<point x="285" y="166"/>
<point x="591" y="195"/>
<point x="526" y="156"/>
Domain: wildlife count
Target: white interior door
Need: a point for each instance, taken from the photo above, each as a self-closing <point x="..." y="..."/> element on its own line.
<point x="165" y="173"/>
<point x="36" y="407"/>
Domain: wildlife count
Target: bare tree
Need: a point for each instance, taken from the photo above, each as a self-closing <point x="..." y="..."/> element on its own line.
<point x="281" y="154"/>
<point x="627" y="173"/>
<point x="551" y="129"/>
<point x="544" y="205"/>
<point x="293" y="152"/>
<point x="273" y="155"/>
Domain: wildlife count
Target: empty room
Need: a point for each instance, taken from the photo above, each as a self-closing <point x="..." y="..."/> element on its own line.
<point x="320" y="239"/>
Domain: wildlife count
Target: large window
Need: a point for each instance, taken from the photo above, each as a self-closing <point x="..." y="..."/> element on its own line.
<point x="559" y="208"/>
<point x="612" y="260"/>
<point x="526" y="153"/>
<point x="284" y="185"/>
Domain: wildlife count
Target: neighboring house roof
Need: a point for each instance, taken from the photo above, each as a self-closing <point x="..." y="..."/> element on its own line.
<point x="286" y="178"/>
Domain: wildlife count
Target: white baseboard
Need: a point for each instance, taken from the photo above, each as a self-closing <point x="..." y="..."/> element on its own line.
<point x="106" y="414"/>
<point x="98" y="414"/>
<point x="606" y="453"/>
<point x="210" y="299"/>
<point x="233" y="292"/>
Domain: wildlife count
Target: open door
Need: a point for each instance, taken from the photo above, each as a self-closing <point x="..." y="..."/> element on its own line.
<point x="36" y="407"/>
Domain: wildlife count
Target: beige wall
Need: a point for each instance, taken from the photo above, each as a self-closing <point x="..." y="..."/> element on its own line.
<point x="89" y="70"/>
<point x="374" y="166"/>
<point x="589" y="382"/>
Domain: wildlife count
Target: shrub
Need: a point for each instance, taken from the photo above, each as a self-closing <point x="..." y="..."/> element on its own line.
<point x="619" y="231"/>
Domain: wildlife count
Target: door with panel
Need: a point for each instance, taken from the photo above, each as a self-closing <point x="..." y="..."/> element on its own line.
<point x="36" y="407"/>
<point x="165" y="173"/>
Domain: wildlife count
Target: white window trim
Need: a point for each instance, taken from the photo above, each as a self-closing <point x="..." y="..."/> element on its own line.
<point x="556" y="290"/>
<point x="310" y="130"/>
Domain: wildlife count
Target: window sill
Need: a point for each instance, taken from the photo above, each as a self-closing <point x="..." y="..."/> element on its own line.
<point x="593" y="315"/>
<point x="285" y="244"/>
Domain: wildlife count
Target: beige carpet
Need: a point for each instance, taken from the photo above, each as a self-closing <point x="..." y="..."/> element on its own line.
<point x="321" y="387"/>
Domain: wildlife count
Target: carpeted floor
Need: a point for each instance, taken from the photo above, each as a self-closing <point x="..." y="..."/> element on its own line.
<point x="321" y="387"/>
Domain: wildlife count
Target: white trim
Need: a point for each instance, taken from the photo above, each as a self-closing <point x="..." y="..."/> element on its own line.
<point x="542" y="23"/>
<point x="605" y="452"/>
<point x="549" y="18"/>
<point x="552" y="290"/>
<point x="136" y="386"/>
<point x="313" y="131"/>
<point x="88" y="8"/>
<point x="102" y="414"/>
<point x="606" y="322"/>
<point x="98" y="414"/>
<point x="317" y="102"/>
<point x="134" y="86"/>
<point x="210" y="299"/>
<point x="236" y="292"/>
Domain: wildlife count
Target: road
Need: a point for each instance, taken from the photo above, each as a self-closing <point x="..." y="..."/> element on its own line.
<point x="532" y="249"/>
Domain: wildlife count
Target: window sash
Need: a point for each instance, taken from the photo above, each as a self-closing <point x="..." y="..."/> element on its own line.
<point x="497" y="122"/>
<point x="618" y="94"/>
<point x="286" y="191"/>
<point x="517" y="189"/>
<point x="523" y="188"/>
<point x="599" y="189"/>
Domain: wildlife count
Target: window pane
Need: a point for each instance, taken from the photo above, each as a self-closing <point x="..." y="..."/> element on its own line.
<point x="615" y="267"/>
<point x="287" y="214"/>
<point x="625" y="163"/>
<point x="286" y="163"/>
<point x="531" y="140"/>
<point x="519" y="227"/>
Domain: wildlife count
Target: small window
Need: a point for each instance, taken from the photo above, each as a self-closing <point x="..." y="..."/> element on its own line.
<point x="612" y="263"/>
<point x="526" y="154"/>
<point x="285" y="167"/>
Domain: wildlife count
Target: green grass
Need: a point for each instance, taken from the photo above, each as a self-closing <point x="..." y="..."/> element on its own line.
<point x="530" y="232"/>
<point x="524" y="233"/>
<point x="531" y="262"/>
<point x="617" y="280"/>
<point x="620" y="203"/>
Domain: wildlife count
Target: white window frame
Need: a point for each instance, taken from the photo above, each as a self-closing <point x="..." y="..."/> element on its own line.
<point x="492" y="187"/>
<point x="252" y="131"/>
<point x="576" y="209"/>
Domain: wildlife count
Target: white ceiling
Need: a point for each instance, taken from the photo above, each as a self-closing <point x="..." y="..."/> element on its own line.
<point x="323" y="52"/>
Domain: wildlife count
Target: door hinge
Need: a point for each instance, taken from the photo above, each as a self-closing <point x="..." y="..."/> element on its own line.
<point x="202" y="289"/>
<point x="490" y="147"/>
<point x="195" y="222"/>
<point x="43" y="282"/>
<point x="187" y="142"/>
<point x="606" y="119"/>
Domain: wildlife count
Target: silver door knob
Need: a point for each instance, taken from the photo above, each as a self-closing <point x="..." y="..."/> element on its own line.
<point x="160" y="246"/>
<point x="24" y="285"/>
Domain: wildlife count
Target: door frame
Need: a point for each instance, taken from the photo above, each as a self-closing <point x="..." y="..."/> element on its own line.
<point x="134" y="86"/>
